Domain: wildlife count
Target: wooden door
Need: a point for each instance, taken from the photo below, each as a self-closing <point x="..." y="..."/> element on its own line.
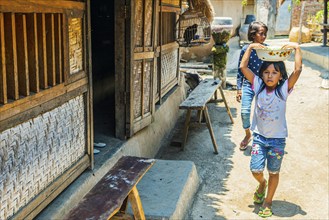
<point x="141" y="64"/>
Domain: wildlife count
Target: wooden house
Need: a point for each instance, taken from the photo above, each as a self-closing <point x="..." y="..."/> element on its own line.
<point x="68" y="68"/>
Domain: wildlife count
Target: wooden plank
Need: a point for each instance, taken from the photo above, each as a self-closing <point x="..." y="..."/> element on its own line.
<point x="170" y="47"/>
<point x="13" y="108"/>
<point x="169" y="86"/>
<point x="43" y="107"/>
<point x="42" y="51"/>
<point x="178" y="75"/>
<point x="32" y="45"/>
<point x="194" y="66"/>
<point x="66" y="49"/>
<point x="170" y="9"/>
<point x="11" y="56"/>
<point x="89" y="95"/>
<point x="129" y="56"/>
<point x="200" y="71"/>
<point x="143" y="95"/>
<point x="50" y="49"/>
<point x="120" y="65"/>
<point x="22" y="55"/>
<point x="51" y="192"/>
<point x="143" y="55"/>
<point x="40" y="6"/>
<point x="3" y="78"/>
<point x="58" y="48"/>
<point x="201" y="94"/>
<point x="141" y="122"/>
<point x="107" y="196"/>
<point x="159" y="50"/>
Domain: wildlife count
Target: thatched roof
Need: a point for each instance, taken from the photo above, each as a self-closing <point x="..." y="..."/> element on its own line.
<point x="205" y="6"/>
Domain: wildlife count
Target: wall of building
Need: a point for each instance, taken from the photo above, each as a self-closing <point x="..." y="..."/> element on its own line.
<point x="36" y="152"/>
<point x="229" y="8"/>
<point x="283" y="19"/>
<point x="310" y="8"/>
<point x="145" y="143"/>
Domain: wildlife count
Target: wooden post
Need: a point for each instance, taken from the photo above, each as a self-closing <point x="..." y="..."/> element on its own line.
<point x="301" y="23"/>
<point x="325" y="17"/>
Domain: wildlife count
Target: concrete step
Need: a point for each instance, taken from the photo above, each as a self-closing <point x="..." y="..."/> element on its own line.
<point x="316" y="54"/>
<point x="167" y="189"/>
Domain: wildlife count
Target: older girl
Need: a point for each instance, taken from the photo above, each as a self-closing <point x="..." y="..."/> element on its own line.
<point x="257" y="32"/>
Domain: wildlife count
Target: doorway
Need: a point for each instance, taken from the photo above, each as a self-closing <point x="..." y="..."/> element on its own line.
<point x="103" y="69"/>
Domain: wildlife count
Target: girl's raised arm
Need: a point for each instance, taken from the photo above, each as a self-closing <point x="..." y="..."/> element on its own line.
<point x="298" y="64"/>
<point x="245" y="60"/>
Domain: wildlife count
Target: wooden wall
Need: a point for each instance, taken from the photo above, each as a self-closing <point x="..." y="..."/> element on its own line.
<point x="45" y="102"/>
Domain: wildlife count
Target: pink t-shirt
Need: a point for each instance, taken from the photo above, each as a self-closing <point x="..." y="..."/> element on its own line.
<point x="269" y="118"/>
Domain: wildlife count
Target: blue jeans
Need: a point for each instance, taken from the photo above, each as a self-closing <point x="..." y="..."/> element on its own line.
<point x="246" y="99"/>
<point x="270" y="150"/>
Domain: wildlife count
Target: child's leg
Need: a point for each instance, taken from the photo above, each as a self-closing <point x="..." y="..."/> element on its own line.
<point x="274" y="160"/>
<point x="257" y="165"/>
<point x="272" y="185"/>
<point x="262" y="183"/>
<point x="246" y="100"/>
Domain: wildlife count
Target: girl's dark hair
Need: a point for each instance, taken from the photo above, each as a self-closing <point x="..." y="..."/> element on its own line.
<point x="254" y="28"/>
<point x="278" y="66"/>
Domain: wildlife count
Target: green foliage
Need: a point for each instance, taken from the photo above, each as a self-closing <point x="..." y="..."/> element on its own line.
<point x="297" y="2"/>
<point x="219" y="56"/>
<point x="244" y="2"/>
<point x="318" y="17"/>
<point x="221" y="37"/>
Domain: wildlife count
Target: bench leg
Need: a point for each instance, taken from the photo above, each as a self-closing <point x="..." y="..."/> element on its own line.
<point x="210" y="129"/>
<point x="186" y="125"/>
<point x="199" y="116"/>
<point x="136" y="204"/>
<point x="227" y="108"/>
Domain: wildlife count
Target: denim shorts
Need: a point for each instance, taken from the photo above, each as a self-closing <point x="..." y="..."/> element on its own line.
<point x="267" y="150"/>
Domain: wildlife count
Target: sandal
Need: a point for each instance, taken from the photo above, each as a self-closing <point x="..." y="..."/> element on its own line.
<point x="244" y="144"/>
<point x="265" y="212"/>
<point x="260" y="197"/>
<point x="100" y="145"/>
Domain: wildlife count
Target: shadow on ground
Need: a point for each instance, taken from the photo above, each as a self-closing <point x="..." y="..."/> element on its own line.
<point x="282" y="209"/>
<point x="212" y="169"/>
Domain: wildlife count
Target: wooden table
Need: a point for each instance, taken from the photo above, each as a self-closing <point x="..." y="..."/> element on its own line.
<point x="197" y="100"/>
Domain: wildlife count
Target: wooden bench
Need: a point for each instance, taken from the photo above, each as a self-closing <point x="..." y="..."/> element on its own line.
<point x="197" y="100"/>
<point x="110" y="196"/>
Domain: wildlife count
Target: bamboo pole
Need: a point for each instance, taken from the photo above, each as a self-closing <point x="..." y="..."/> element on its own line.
<point x="301" y="23"/>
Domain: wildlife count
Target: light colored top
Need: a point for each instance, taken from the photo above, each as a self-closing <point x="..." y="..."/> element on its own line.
<point x="269" y="118"/>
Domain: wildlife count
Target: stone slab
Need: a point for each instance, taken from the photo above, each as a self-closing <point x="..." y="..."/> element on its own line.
<point x="167" y="189"/>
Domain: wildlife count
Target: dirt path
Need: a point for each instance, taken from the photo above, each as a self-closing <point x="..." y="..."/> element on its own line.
<point x="227" y="186"/>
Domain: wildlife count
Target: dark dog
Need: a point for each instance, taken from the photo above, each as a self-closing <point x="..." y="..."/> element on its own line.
<point x="192" y="78"/>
